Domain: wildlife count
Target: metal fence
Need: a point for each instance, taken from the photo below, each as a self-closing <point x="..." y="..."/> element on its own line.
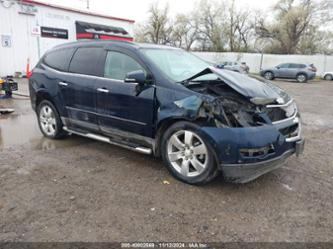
<point x="256" y="61"/>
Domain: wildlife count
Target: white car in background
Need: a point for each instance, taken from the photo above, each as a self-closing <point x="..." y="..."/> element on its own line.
<point x="240" y="67"/>
<point x="328" y="76"/>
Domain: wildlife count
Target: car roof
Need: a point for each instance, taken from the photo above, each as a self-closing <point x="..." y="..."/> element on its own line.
<point x="296" y="63"/>
<point x="125" y="44"/>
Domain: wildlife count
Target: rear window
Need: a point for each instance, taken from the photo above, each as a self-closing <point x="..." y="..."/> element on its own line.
<point x="59" y="59"/>
<point x="87" y="61"/>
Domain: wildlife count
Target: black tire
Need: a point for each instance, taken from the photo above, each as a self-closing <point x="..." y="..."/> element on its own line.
<point x="210" y="171"/>
<point x="269" y="75"/>
<point x="328" y="77"/>
<point x="301" y="78"/>
<point x="58" y="126"/>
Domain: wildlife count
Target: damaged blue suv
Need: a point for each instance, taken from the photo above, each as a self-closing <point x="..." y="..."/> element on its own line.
<point x="166" y="102"/>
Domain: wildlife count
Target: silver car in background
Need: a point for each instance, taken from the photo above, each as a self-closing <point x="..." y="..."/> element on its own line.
<point x="300" y="72"/>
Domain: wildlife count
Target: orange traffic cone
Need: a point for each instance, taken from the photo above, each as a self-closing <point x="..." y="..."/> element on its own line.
<point x="28" y="72"/>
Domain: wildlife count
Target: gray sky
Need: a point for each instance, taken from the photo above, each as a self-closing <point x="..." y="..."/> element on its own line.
<point x="137" y="9"/>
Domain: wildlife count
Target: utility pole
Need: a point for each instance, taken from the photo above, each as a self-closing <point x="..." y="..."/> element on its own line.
<point x="86" y="1"/>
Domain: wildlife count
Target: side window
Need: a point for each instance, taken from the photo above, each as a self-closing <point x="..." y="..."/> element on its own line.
<point x="86" y="61"/>
<point x="284" y="66"/>
<point x="59" y="59"/>
<point x="296" y="66"/>
<point x="117" y="65"/>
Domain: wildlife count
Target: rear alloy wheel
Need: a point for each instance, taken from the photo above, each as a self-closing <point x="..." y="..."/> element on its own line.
<point x="301" y="78"/>
<point x="49" y="121"/>
<point x="269" y="76"/>
<point x="328" y="77"/>
<point x="187" y="155"/>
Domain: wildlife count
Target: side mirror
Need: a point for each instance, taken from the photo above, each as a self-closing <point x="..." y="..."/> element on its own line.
<point x="278" y="67"/>
<point x="136" y="77"/>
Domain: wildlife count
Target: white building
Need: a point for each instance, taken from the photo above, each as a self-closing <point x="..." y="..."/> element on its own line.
<point x="29" y="28"/>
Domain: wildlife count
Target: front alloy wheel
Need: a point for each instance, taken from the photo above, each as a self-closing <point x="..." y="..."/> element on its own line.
<point x="269" y="76"/>
<point x="187" y="155"/>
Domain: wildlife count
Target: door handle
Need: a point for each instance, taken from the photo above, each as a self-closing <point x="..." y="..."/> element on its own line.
<point x="102" y="90"/>
<point x="63" y="83"/>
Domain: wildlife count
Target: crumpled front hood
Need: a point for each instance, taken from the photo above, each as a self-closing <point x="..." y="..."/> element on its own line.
<point x="248" y="86"/>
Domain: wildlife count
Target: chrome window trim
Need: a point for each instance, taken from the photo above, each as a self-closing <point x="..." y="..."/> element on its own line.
<point x="88" y="76"/>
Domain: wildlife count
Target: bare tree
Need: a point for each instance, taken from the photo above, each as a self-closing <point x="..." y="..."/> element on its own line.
<point x="288" y="28"/>
<point x="239" y="28"/>
<point x="293" y="22"/>
<point x="220" y="26"/>
<point x="140" y="33"/>
<point x="158" y="28"/>
<point x="211" y="25"/>
<point x="185" y="31"/>
<point x="316" y="41"/>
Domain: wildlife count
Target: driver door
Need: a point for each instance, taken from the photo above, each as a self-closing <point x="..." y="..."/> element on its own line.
<point x="123" y="106"/>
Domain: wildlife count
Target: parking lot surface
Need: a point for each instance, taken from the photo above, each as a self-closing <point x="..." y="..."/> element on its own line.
<point x="82" y="190"/>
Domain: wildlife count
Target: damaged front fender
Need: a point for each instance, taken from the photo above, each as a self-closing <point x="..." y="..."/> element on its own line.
<point x="203" y="107"/>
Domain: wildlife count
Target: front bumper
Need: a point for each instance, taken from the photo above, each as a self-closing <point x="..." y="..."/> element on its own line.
<point x="244" y="154"/>
<point x="243" y="173"/>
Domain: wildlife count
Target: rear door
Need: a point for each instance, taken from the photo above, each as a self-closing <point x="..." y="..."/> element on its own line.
<point x="55" y="71"/>
<point x="282" y="71"/>
<point x="124" y="106"/>
<point x="79" y="87"/>
<point x="293" y="70"/>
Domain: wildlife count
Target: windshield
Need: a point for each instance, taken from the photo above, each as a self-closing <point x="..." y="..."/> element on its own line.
<point x="176" y="63"/>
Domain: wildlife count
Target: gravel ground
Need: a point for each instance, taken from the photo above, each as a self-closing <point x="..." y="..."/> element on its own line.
<point x="82" y="190"/>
